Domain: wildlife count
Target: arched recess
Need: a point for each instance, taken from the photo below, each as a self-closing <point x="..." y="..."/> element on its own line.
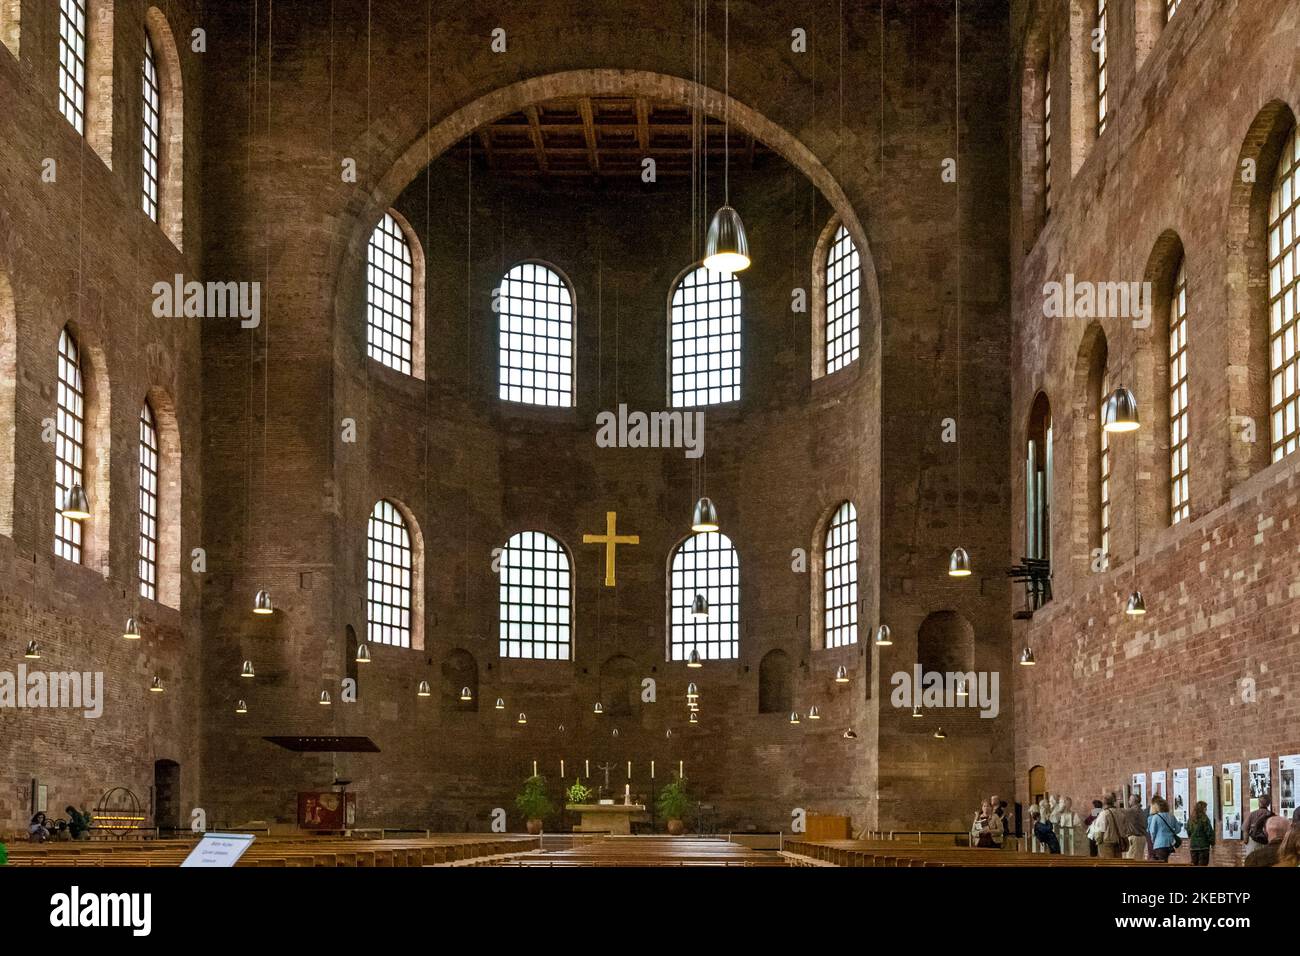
<point x="171" y="184"/>
<point x="619" y="686"/>
<point x="1152" y="365"/>
<point x="1037" y="783"/>
<point x="8" y="402"/>
<point x="11" y="25"/>
<point x="1036" y="63"/>
<point x="97" y="441"/>
<point x="1085" y="448"/>
<point x="945" y="643"/>
<point x="1246" y="269"/>
<point x="775" y="683"/>
<point x="459" y="671"/>
<point x="414" y="153"/>
<point x="169" y="496"/>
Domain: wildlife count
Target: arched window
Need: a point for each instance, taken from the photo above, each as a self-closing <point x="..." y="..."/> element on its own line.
<point x="1038" y="481"/>
<point x="843" y="301"/>
<point x="149" y="469"/>
<point x="536" y="608"/>
<point x="391" y="325"/>
<point x="1179" y="503"/>
<point x="1099" y="43"/>
<point x="535" y="337"/>
<point x="705" y="339"/>
<point x="69" y="446"/>
<point x="151" y="131"/>
<point x="705" y="563"/>
<point x="775" y="683"/>
<point x="1284" y="298"/>
<point x="1104" y="464"/>
<point x="1171" y="7"/>
<point x="841" y="577"/>
<point x="390" y="576"/>
<point x="72" y="62"/>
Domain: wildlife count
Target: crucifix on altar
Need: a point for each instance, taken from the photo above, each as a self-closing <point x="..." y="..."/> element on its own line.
<point x="610" y="539"/>
<point x="607" y="816"/>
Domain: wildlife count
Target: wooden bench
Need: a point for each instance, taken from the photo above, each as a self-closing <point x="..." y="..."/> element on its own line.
<point x="897" y="853"/>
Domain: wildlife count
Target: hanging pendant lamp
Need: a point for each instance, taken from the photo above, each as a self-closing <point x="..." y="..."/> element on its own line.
<point x="959" y="563"/>
<point x="156" y="687"/>
<point x="884" y="637"/>
<point x="423" y="689"/>
<point x="1027" y="657"/>
<point x="850" y="734"/>
<point x="262" y="603"/>
<point x="325" y="698"/>
<point x="241" y="707"/>
<point x="132" y="630"/>
<point x="695" y="718"/>
<point x="841" y="675"/>
<point x="76" y="505"/>
<point x="814" y="713"/>
<point x="599" y="708"/>
<point x="700" y="607"/>
<point x="33" y="652"/>
<point x="247" y="670"/>
<point x="705" y="516"/>
<point x="501" y="704"/>
<point x="694" y="659"/>
<point x="523" y="719"/>
<point x="939" y="734"/>
<point x="1120" y="413"/>
<point x="916" y="710"/>
<point x="726" y="247"/>
<point x="692" y="692"/>
<point x="1137" y="605"/>
<point x="466" y="694"/>
<point x="794" y="716"/>
<point x="363" y="654"/>
<point x="961" y="688"/>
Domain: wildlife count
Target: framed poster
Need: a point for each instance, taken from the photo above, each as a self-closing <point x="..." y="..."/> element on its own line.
<point x="1139" y="788"/>
<point x="1261" y="781"/>
<point x="1288" y="768"/>
<point x="1230" y="796"/>
<point x="1205" y="790"/>
<point x="1158" y="785"/>
<point x="1179" y="803"/>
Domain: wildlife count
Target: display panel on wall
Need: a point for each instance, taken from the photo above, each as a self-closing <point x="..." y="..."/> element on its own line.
<point x="1261" y="781"/>
<point x="1288" y="768"/>
<point x="1179" y="805"/>
<point x="1139" y="788"/>
<point x="1230" y="797"/>
<point x="1158" y="786"/>
<point x="1205" y="790"/>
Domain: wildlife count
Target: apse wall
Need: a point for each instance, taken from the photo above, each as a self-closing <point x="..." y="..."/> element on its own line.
<point x="77" y="250"/>
<point x="1205" y="677"/>
<point x="292" y="495"/>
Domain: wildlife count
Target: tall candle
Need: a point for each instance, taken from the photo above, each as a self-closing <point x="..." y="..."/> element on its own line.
<point x="681" y="772"/>
<point x="534" y="768"/>
<point x="561" y="768"/>
<point x="652" y="769"/>
<point x="586" y="768"/>
<point x="629" y="770"/>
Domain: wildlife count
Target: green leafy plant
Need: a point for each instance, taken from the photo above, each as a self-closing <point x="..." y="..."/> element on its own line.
<point x="674" y="801"/>
<point x="532" y="801"/>
<point x="579" y="793"/>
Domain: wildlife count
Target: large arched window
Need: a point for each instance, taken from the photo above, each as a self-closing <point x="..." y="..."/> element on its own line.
<point x="1284" y="299"/>
<point x="392" y="289"/>
<point x="841" y="577"/>
<point x="72" y="62"/>
<point x="536" y="608"/>
<point x="69" y="446"/>
<point x="390" y="577"/>
<point x="843" y="301"/>
<point x="1047" y="137"/>
<point x="1104" y="464"/>
<point x="1038" y="481"/>
<point x="151" y="132"/>
<point x="1179" y="502"/>
<point x="705" y="563"/>
<point x="1100" y="42"/>
<point x="535" y="337"/>
<point x="705" y="339"/>
<point x="149" y="471"/>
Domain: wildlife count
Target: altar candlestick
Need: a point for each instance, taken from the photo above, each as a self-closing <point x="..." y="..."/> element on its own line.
<point x="652" y="769"/>
<point x="586" y="769"/>
<point x="534" y="768"/>
<point x="680" y="771"/>
<point x="629" y="770"/>
<point x="561" y="768"/>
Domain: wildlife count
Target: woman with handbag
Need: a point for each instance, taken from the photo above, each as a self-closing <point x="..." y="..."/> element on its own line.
<point x="1162" y="828"/>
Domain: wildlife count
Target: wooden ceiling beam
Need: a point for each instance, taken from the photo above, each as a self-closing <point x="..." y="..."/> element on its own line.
<point x="589" y="129"/>
<point x="539" y="146"/>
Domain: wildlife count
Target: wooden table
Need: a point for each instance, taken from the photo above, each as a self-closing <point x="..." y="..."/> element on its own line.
<point x="608" y="817"/>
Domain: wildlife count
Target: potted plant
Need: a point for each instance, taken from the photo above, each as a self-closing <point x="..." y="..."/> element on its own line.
<point x="579" y="793"/>
<point x="533" y="803"/>
<point x="674" y="801"/>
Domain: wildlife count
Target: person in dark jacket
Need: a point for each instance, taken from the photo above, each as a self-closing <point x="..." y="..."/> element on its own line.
<point x="1044" y="833"/>
<point x="78" y="823"/>
<point x="1200" y="833"/>
<point x="1275" y="828"/>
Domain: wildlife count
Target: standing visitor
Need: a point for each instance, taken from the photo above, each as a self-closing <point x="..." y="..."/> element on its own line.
<point x="1162" y="828"/>
<point x="1200" y="831"/>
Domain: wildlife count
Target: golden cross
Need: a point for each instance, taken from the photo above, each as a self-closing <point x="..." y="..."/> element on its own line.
<point x="609" y="539"/>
